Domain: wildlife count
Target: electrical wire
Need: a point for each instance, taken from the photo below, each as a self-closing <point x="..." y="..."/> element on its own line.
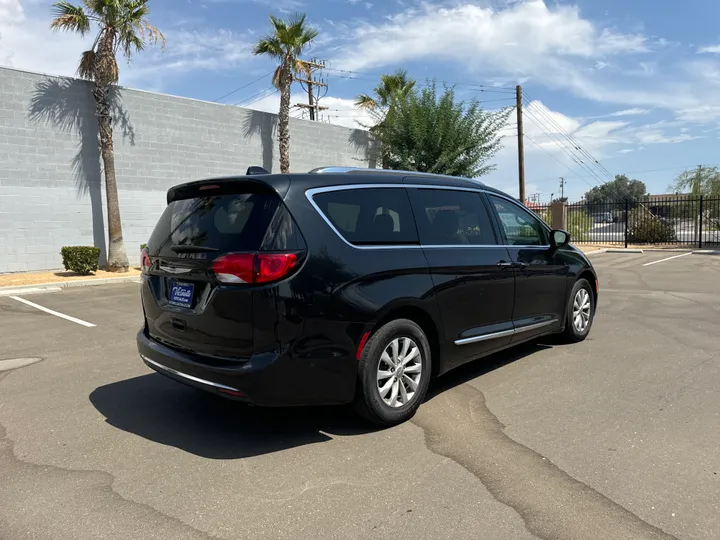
<point x="242" y="87"/>
<point x="572" y="139"/>
<point x="556" y="159"/>
<point x="475" y="87"/>
<point x="262" y="94"/>
<point x="561" y="144"/>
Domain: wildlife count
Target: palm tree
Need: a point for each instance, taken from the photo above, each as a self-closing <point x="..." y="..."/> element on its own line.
<point x="286" y="43"/>
<point x="122" y="26"/>
<point x="392" y="87"/>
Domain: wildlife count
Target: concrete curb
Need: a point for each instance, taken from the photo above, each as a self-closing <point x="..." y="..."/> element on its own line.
<point x="59" y="286"/>
<point x="594" y="252"/>
<point x="622" y="250"/>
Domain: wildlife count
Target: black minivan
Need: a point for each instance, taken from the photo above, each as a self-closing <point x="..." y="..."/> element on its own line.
<point x="350" y="285"/>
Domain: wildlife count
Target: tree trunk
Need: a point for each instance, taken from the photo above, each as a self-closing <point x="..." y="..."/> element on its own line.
<point x="284" y="120"/>
<point x="117" y="260"/>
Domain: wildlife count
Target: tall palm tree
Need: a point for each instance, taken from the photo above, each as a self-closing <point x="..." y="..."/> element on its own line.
<point x="285" y="43"/>
<point x="393" y="86"/>
<point x="122" y="27"/>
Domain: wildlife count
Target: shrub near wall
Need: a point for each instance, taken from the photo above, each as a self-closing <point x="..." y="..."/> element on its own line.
<point x="82" y="260"/>
<point x="646" y="228"/>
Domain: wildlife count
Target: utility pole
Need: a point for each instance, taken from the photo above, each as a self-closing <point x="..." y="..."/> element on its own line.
<point x="521" y="148"/>
<point x="562" y="188"/>
<point x="313" y="87"/>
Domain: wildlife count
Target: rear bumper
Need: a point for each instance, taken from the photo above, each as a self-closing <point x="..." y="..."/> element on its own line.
<point x="270" y="379"/>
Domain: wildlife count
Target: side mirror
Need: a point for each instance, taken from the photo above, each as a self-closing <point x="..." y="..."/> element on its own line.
<point x="560" y="238"/>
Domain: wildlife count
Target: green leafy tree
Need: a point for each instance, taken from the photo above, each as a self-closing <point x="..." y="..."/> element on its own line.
<point x="433" y="133"/>
<point x="285" y="43"/>
<point x="702" y="180"/>
<point x="619" y="189"/>
<point x="392" y="86"/>
<point x="122" y="27"/>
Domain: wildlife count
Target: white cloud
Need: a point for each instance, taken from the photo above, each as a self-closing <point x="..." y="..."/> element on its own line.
<point x="521" y="38"/>
<point x="630" y="112"/>
<point x="26" y="42"/>
<point x="711" y="49"/>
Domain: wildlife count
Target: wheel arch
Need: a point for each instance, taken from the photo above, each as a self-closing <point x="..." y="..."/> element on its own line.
<point x="591" y="278"/>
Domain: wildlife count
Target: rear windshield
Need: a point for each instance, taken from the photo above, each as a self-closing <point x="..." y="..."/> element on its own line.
<point x="235" y="222"/>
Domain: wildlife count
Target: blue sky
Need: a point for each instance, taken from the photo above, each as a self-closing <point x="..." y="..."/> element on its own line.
<point x="635" y="85"/>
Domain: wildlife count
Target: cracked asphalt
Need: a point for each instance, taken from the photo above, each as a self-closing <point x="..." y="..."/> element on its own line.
<point x="613" y="438"/>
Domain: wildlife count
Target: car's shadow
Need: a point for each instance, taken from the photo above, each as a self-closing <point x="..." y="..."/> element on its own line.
<point x="164" y="411"/>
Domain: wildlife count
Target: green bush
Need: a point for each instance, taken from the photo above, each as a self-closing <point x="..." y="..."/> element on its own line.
<point x="82" y="260"/>
<point x="646" y="228"/>
<point x="142" y="246"/>
<point x="579" y="225"/>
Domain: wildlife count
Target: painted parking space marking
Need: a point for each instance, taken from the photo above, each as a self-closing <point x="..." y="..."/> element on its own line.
<point x="51" y="312"/>
<point x="669" y="258"/>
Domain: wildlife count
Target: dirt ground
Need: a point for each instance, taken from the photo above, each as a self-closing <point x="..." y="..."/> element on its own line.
<point x="57" y="276"/>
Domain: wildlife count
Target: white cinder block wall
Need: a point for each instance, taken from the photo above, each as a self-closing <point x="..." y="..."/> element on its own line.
<point x="51" y="191"/>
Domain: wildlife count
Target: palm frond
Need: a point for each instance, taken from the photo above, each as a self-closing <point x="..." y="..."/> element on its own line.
<point x="277" y="77"/>
<point x="86" y="68"/>
<point x="69" y="18"/>
<point x="363" y="101"/>
<point x="270" y="45"/>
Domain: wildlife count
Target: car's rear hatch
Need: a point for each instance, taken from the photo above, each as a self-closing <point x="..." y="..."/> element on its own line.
<point x="216" y="245"/>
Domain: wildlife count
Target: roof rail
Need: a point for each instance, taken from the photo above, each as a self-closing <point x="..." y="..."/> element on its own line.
<point x="360" y="170"/>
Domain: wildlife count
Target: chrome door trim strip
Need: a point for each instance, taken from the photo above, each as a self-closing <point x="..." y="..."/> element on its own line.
<point x="188" y="377"/>
<point x="504" y="333"/>
<point x="484" y="337"/>
<point x="534" y="326"/>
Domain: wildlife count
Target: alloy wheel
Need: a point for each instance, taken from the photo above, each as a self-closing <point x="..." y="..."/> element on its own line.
<point x="399" y="372"/>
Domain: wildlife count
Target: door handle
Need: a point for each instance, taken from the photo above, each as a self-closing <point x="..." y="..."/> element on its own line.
<point x="506" y="264"/>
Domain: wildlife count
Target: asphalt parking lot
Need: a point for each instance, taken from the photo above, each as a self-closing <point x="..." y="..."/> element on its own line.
<point x="613" y="438"/>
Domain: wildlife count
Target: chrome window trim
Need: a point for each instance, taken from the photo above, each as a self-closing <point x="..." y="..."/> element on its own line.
<point x="310" y="194"/>
<point x="504" y="333"/>
<point x="188" y="377"/>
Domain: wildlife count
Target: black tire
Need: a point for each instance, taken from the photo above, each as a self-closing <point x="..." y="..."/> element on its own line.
<point x="572" y="334"/>
<point x="368" y="401"/>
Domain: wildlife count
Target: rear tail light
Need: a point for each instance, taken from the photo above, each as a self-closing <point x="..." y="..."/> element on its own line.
<point x="145" y="262"/>
<point x="253" y="268"/>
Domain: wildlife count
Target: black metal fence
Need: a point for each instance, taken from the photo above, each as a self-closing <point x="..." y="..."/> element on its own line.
<point x="683" y="220"/>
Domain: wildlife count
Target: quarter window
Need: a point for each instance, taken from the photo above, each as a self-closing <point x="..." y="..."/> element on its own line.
<point x="451" y="218"/>
<point x="520" y="226"/>
<point x="381" y="216"/>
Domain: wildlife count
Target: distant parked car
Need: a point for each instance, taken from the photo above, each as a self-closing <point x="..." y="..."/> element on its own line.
<point x="350" y="285"/>
<point x="605" y="217"/>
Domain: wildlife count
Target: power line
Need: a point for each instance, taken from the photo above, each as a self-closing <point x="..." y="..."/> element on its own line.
<point x="556" y="159"/>
<point x="242" y="87"/>
<point x="573" y="140"/>
<point x="377" y="75"/>
<point x="560" y="143"/>
<point x="473" y="86"/>
<point x="260" y="95"/>
<point x="579" y="155"/>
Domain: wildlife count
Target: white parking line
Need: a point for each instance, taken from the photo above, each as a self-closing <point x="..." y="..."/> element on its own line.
<point x="51" y="312"/>
<point x="668" y="259"/>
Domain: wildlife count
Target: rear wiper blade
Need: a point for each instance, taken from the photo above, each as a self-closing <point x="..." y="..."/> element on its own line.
<point x="179" y="248"/>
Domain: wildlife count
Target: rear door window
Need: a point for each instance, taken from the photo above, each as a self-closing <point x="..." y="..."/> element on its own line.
<point x="233" y="222"/>
<point x="373" y="216"/>
<point x="451" y="218"/>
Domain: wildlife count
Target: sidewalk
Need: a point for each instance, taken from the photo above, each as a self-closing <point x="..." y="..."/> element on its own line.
<point x="23" y="279"/>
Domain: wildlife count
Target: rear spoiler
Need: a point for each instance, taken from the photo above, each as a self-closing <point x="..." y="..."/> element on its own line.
<point x="254" y="182"/>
